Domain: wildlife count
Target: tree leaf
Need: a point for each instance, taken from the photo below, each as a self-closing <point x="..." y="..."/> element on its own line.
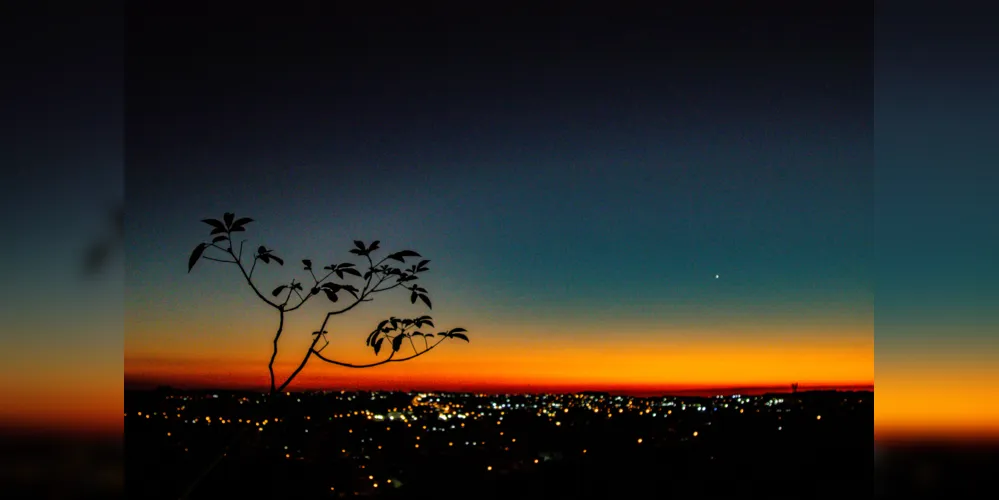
<point x="412" y="297"/>
<point x="277" y="259"/>
<point x="278" y="290"/>
<point x="330" y="294"/>
<point x="344" y="265"/>
<point x="356" y="251"/>
<point x="240" y="223"/>
<point x="426" y="300"/>
<point x="374" y="246"/>
<point x="351" y="290"/>
<point x="308" y="264"/>
<point x="216" y="224"/>
<point x="265" y="258"/>
<point x="339" y="273"/>
<point x="396" y="256"/>
<point x="220" y="238"/>
<point x="408" y="253"/>
<point x="461" y="336"/>
<point x="229" y="216"/>
<point x="382" y="324"/>
<point x="261" y="249"/>
<point x="378" y="345"/>
<point x="195" y="255"/>
<point x="314" y="290"/>
<point x="397" y="342"/>
<point x="354" y="272"/>
<point x="458" y="330"/>
<point x="296" y="286"/>
<point x="359" y="245"/>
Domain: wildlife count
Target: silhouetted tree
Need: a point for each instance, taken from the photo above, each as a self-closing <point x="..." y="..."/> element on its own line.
<point x="377" y="277"/>
<point x="794" y="388"/>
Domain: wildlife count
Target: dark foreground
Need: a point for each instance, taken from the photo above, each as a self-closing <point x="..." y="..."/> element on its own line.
<point x="814" y="445"/>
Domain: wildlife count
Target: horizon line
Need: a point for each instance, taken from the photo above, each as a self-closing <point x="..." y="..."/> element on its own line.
<point x="630" y="391"/>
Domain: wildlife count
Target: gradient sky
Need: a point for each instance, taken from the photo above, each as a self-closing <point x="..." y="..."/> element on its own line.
<point x="650" y="158"/>
<point x="936" y="184"/>
<point x="577" y="186"/>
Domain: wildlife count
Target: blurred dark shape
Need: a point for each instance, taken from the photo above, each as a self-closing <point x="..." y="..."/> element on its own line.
<point x="60" y="466"/>
<point x="98" y="256"/>
<point x="934" y="470"/>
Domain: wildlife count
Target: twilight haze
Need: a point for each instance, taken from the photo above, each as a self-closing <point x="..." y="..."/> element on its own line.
<point x="651" y="206"/>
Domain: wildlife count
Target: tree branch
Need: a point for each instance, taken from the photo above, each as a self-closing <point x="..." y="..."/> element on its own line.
<point x="218" y="260"/>
<point x="304" y="360"/>
<point x="360" y="298"/>
<point x="270" y="366"/>
<point x="291" y="288"/>
<point x="390" y="359"/>
<point x="306" y="298"/>
<point x="254" y="266"/>
<point x="398" y="283"/>
<point x="250" y="281"/>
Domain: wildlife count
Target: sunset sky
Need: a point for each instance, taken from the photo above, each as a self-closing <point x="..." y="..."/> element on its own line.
<point x="577" y="185"/>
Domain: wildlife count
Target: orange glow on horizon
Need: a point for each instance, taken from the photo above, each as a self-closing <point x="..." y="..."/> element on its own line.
<point x="588" y="364"/>
<point x="937" y="398"/>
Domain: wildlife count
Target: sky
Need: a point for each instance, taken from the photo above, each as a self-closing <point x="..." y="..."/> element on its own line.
<point x="577" y="184"/>
<point x="936" y="240"/>
<point x="62" y="333"/>
<point x="636" y="206"/>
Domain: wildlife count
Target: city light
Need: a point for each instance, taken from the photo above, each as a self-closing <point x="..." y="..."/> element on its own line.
<point x="528" y="414"/>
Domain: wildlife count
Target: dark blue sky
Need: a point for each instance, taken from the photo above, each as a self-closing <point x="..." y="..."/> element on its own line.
<point x="580" y="163"/>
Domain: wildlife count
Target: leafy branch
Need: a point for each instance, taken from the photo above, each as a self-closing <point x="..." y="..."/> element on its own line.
<point x="396" y="331"/>
<point x="378" y="277"/>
